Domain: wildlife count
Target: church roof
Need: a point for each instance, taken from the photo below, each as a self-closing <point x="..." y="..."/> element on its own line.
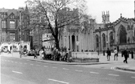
<point x="123" y="19"/>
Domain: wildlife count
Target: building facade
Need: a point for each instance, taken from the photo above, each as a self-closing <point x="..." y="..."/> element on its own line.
<point x="9" y="20"/>
<point x="24" y="22"/>
<point x="118" y="34"/>
<point x="78" y="36"/>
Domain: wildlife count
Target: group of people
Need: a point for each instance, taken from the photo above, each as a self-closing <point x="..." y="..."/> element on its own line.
<point x="125" y="53"/>
<point x="54" y="54"/>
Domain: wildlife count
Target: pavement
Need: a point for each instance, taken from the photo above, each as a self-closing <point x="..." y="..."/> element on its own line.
<point x="102" y="60"/>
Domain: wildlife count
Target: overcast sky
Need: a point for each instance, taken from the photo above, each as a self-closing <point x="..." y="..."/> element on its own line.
<point x="95" y="7"/>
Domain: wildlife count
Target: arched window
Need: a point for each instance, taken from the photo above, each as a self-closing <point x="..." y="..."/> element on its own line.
<point x="111" y="39"/>
<point x="104" y="40"/>
<point x="97" y="41"/>
<point x="122" y="35"/>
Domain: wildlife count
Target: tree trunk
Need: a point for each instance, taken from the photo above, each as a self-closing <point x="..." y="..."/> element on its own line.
<point x="57" y="43"/>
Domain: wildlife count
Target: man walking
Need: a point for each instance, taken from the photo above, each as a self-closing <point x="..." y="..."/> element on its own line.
<point x="126" y="55"/>
<point x="108" y="54"/>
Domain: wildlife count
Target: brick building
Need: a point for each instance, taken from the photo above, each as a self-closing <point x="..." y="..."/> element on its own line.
<point x="9" y="22"/>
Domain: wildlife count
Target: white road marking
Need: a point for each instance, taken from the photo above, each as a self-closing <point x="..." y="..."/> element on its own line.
<point x="94" y="72"/>
<point x="17" y="72"/>
<point x="45" y="66"/>
<point x="65" y="68"/>
<point x="113" y="74"/>
<point x="54" y="67"/>
<point x="132" y="77"/>
<point x="79" y="70"/>
<point x="63" y="82"/>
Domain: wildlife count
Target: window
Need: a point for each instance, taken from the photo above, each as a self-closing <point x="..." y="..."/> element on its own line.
<point x="12" y="16"/>
<point x="104" y="40"/>
<point x="97" y="41"/>
<point x="3" y="24"/>
<point x="111" y="39"/>
<point x="12" y="24"/>
<point x="12" y="36"/>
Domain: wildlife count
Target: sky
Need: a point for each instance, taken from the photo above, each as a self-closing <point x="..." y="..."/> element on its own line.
<point x="95" y="8"/>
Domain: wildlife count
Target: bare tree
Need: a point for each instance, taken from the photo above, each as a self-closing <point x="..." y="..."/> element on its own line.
<point x="56" y="14"/>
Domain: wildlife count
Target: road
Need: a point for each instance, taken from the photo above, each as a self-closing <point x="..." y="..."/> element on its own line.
<point x="24" y="71"/>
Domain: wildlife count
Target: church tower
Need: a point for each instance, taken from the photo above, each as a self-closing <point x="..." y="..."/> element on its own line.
<point x="105" y="17"/>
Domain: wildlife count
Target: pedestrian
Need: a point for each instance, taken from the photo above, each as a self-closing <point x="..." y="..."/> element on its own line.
<point x="41" y="53"/>
<point x="34" y="53"/>
<point x="44" y="53"/>
<point x="115" y="54"/>
<point x="54" y="53"/>
<point x="108" y="54"/>
<point x="21" y="51"/>
<point x="132" y="54"/>
<point x="69" y="55"/>
<point x="126" y="55"/>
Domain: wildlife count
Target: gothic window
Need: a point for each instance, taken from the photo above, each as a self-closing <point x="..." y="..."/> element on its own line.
<point x="111" y="39"/>
<point x="97" y="41"/>
<point x="3" y="24"/>
<point x="104" y="40"/>
<point x="122" y="35"/>
<point x="128" y="40"/>
<point x="12" y="24"/>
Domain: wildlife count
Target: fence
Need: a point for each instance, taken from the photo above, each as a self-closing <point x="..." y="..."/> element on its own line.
<point x="84" y="55"/>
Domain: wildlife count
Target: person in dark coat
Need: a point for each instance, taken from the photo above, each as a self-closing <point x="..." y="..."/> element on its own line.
<point x="126" y="55"/>
<point x="108" y="54"/>
<point x="132" y="54"/>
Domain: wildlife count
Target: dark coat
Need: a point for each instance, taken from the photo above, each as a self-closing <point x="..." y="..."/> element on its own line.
<point x="125" y="53"/>
<point x="108" y="53"/>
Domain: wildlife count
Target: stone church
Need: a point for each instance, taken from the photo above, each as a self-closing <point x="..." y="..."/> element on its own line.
<point x="118" y="34"/>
